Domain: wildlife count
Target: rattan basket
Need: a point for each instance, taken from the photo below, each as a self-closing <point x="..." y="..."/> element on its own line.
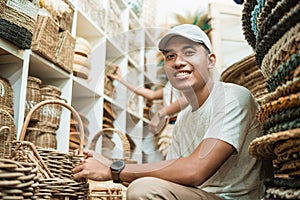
<point x="66" y="20"/>
<point x="58" y="185"/>
<point x="65" y="51"/>
<point x="17" y="179"/>
<point x="33" y="96"/>
<point x="50" y="113"/>
<point x="45" y="38"/>
<point x="7" y="133"/>
<point x="110" y="132"/>
<point x="17" y="21"/>
<point x="6" y="96"/>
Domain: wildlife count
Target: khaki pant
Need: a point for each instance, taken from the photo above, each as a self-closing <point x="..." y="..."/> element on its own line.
<point x="153" y="188"/>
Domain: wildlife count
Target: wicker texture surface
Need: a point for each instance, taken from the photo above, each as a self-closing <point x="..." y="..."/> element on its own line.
<point x="263" y="147"/>
<point x="284" y="72"/>
<point x="287" y="42"/>
<point x="246" y="22"/>
<point x="17" y="179"/>
<point x="7" y="133"/>
<point x="6" y="96"/>
<point x="17" y="22"/>
<point x="276" y="32"/>
<point x="52" y="184"/>
<point x="276" y="106"/>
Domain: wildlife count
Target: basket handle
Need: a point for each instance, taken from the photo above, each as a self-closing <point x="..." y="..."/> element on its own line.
<point x="125" y="142"/>
<point x="62" y="103"/>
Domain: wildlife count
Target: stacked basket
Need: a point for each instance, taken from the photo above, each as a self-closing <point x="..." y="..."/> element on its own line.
<point x="52" y="37"/>
<point x="246" y="73"/>
<point x="81" y="64"/>
<point x="17" y="21"/>
<point x="272" y="28"/>
<point x="44" y="123"/>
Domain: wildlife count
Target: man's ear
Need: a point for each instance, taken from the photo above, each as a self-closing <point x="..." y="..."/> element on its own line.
<point x="211" y="60"/>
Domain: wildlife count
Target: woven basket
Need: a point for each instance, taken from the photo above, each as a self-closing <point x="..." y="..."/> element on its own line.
<point x="125" y="142"/>
<point x="17" y="179"/>
<point x="281" y="8"/>
<point x="246" y="22"/>
<point x="6" y="96"/>
<point x="45" y="38"/>
<point x="50" y="113"/>
<point x="289" y="40"/>
<point x="7" y="133"/>
<point x="276" y="32"/>
<point x="263" y="147"/>
<point x="66" y="20"/>
<point x="17" y="21"/>
<point x="33" y="96"/>
<point x="64" y="55"/>
<point x="58" y="185"/>
<point x="41" y="135"/>
<point x="265" y="11"/>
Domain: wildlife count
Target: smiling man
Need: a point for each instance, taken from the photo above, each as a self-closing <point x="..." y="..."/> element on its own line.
<point x="208" y="158"/>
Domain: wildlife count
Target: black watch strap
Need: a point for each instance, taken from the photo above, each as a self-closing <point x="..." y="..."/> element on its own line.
<point x="116" y="176"/>
<point x="116" y="167"/>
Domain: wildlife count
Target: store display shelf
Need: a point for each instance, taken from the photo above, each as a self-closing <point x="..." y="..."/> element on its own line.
<point x="10" y="48"/>
<point x="86" y="27"/>
<point x="80" y="90"/>
<point x="43" y="68"/>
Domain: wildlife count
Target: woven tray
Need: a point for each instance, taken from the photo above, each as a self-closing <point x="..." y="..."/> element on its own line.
<point x="263" y="147"/>
<point x="273" y="107"/>
<point x="284" y="72"/>
<point x="278" y="12"/>
<point x="289" y="40"/>
<point x="265" y="11"/>
<point x="246" y="22"/>
<point x="276" y="32"/>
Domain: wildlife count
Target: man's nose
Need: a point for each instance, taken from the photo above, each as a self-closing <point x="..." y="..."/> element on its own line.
<point x="179" y="61"/>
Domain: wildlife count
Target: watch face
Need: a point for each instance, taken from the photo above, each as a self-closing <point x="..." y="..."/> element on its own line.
<point x="117" y="165"/>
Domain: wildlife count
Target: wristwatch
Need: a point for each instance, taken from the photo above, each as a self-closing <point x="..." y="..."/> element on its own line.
<point x="116" y="167"/>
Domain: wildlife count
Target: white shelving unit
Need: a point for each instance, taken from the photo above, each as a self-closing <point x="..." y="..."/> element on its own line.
<point x="127" y="48"/>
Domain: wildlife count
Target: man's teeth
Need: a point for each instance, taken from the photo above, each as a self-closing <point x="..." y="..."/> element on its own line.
<point x="182" y="73"/>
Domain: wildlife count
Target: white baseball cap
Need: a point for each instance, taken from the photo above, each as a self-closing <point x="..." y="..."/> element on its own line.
<point x="188" y="31"/>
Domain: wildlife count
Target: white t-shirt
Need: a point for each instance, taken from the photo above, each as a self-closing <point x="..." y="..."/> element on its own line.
<point x="229" y="114"/>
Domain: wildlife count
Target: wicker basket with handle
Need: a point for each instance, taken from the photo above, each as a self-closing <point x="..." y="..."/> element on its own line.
<point x="7" y="133"/>
<point x="125" y="142"/>
<point x="60" y="185"/>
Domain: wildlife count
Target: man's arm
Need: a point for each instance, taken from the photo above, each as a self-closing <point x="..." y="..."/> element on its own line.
<point x="159" y="118"/>
<point x="192" y="170"/>
<point x="142" y="91"/>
